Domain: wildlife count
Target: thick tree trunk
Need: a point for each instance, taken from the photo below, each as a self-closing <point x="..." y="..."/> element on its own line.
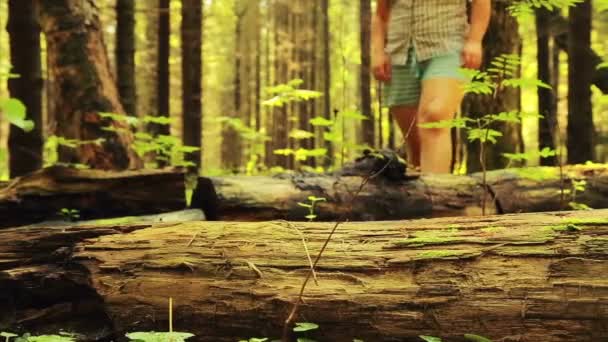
<point x="511" y="191"/>
<point x="25" y="148"/>
<point x="581" y="132"/>
<point x="192" y="42"/>
<point x="547" y="98"/>
<point x="83" y="85"/>
<point x="125" y="54"/>
<point x="502" y="38"/>
<point x="512" y="278"/>
<point x="368" y="125"/>
<point x="93" y="194"/>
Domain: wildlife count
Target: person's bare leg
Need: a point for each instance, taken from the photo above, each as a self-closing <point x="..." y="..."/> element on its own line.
<point x="439" y="100"/>
<point x="406" y="119"/>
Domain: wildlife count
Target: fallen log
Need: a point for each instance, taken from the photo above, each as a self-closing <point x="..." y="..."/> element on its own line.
<point x="527" y="277"/>
<point x="89" y="194"/>
<point x="533" y="189"/>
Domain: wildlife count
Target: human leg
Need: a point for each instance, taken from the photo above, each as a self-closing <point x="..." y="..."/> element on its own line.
<point x="440" y="99"/>
<point x="405" y="116"/>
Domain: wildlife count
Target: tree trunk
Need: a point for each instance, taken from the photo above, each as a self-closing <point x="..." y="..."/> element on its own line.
<point x="515" y="278"/>
<point x="93" y="194"/>
<point x="502" y="38"/>
<point x="192" y="41"/>
<point x="125" y="54"/>
<point x="260" y="198"/>
<point x="581" y="132"/>
<point x="547" y="98"/>
<point x="327" y="111"/>
<point x="25" y="148"/>
<point x="83" y="85"/>
<point x="368" y="125"/>
<point x="162" y="71"/>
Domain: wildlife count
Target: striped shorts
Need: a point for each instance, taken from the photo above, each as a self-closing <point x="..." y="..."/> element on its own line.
<point x="404" y="86"/>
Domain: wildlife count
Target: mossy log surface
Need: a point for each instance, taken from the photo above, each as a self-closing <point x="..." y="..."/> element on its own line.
<point x="94" y="194"/>
<point x="526" y="277"/>
<point x="534" y="189"/>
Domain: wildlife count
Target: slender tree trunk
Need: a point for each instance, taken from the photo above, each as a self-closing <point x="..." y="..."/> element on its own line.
<point x="25" y="148"/>
<point x="502" y="38"/>
<point x="368" y="125"/>
<point x="327" y="112"/>
<point x="162" y="71"/>
<point x="547" y="98"/>
<point x="125" y="54"/>
<point x="281" y="124"/>
<point x="192" y="41"/>
<point x="83" y="85"/>
<point x="580" y="77"/>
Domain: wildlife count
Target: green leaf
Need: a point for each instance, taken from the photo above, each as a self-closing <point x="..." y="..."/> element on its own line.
<point x="50" y="338"/>
<point x="430" y="338"/>
<point x="353" y="114"/>
<point x="311" y="216"/>
<point x="304" y="326"/>
<point x="484" y="135"/>
<point x="284" y="152"/>
<point x="159" y="120"/>
<point x="604" y="64"/>
<point x="319" y="121"/>
<point x="317" y="199"/>
<point x="15" y="113"/>
<point x="7" y="334"/>
<point x="452" y="123"/>
<point x="305" y="205"/>
<point x="476" y="338"/>
<point x="300" y="134"/>
<point x="159" y="336"/>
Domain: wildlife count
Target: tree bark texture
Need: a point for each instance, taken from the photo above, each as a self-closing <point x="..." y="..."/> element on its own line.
<point x="581" y="131"/>
<point x="368" y="125"/>
<point x="83" y="85"/>
<point x="162" y="66"/>
<point x="529" y="277"/>
<point x="25" y="148"/>
<point x="547" y="98"/>
<point x="125" y="54"/>
<point x="192" y="73"/>
<point x="94" y="194"/>
<point x="511" y="191"/>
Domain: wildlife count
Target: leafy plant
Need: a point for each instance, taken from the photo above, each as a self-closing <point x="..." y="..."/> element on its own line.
<point x="311" y="206"/>
<point x="41" y="338"/>
<point x="71" y="215"/>
<point x="159" y="336"/>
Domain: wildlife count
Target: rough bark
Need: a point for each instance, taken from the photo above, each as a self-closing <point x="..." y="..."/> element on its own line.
<point x="326" y="72"/>
<point x="83" y="85"/>
<point x="559" y="27"/>
<point x="511" y="191"/>
<point x="581" y="130"/>
<point x="368" y="125"/>
<point x="192" y="72"/>
<point x="547" y="98"/>
<point x="25" y="148"/>
<point x="125" y="54"/>
<point x="502" y="38"/>
<point x="95" y="194"/>
<point x="162" y="67"/>
<point x="512" y="278"/>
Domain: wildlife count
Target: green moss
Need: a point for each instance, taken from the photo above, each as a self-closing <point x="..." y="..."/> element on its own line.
<point x="447" y="254"/>
<point x="114" y="221"/>
<point x="588" y="222"/>
<point x="537" y="173"/>
<point x="493" y="229"/>
<point x="423" y="241"/>
<point x="566" y="228"/>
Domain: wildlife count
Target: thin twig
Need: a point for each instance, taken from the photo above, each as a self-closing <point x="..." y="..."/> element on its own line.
<point x="296" y="306"/>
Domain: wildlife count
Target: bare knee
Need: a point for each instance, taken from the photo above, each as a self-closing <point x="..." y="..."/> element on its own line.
<point x="434" y="111"/>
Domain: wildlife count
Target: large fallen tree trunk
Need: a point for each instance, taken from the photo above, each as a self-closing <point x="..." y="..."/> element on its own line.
<point x="89" y="194"/>
<point x="528" y="277"/>
<point x="510" y="191"/>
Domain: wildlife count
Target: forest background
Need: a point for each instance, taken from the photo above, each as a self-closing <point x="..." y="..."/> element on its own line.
<point x="226" y="69"/>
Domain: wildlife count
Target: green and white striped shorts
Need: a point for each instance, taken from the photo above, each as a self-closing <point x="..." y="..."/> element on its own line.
<point x="404" y="86"/>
